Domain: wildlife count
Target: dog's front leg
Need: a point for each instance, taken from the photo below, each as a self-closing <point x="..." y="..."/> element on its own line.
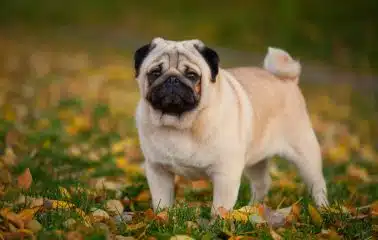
<point x="161" y="184"/>
<point x="226" y="183"/>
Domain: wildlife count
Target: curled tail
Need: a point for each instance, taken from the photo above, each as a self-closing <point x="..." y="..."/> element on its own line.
<point x="282" y="65"/>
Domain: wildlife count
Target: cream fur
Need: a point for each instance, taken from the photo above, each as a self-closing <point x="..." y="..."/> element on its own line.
<point x="246" y="116"/>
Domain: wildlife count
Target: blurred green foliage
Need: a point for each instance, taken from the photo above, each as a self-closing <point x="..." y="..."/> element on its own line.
<point x="341" y="32"/>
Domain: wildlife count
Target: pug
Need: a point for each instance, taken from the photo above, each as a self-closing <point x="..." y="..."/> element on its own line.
<point x="196" y="119"/>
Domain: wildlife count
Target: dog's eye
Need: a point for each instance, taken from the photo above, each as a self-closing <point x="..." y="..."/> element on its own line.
<point x="191" y="75"/>
<point x="155" y="73"/>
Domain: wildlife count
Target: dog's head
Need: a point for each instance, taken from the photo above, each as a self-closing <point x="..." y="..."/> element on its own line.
<point x="174" y="76"/>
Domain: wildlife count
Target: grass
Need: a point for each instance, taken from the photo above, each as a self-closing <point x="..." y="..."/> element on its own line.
<point x="76" y="135"/>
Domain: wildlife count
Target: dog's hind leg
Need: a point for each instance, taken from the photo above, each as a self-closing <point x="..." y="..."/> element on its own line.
<point x="304" y="152"/>
<point x="259" y="180"/>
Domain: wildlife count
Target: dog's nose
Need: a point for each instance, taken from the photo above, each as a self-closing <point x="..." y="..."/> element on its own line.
<point x="173" y="80"/>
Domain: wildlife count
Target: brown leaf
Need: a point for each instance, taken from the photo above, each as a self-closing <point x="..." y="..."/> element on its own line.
<point x="144" y="196"/>
<point x="27" y="214"/>
<point x="296" y="210"/>
<point x="12" y="217"/>
<point x="11" y="138"/>
<point x="275" y="235"/>
<point x="14" y="235"/>
<point x="374" y="208"/>
<point x="74" y="236"/>
<point x="25" y="180"/>
<point x="223" y="212"/>
<point x="200" y="185"/>
<point x="358" y="173"/>
<point x="150" y="214"/>
<point x="162" y="217"/>
<point x="9" y="157"/>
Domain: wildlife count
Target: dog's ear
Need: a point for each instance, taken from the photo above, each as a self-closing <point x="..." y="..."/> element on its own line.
<point x="139" y="55"/>
<point x="212" y="60"/>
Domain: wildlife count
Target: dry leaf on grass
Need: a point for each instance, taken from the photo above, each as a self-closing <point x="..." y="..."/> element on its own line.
<point x="25" y="180"/>
<point x="144" y="196"/>
<point x="12" y="217"/>
<point x="200" y="185"/>
<point x="316" y="218"/>
<point x="162" y="217"/>
<point x="181" y="237"/>
<point x="274" y="235"/>
<point x="27" y="215"/>
<point x="358" y="173"/>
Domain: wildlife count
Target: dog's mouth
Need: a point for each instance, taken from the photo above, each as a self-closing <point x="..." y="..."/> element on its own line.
<point x="173" y="98"/>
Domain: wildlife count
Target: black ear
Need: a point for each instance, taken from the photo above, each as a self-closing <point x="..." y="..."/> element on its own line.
<point x="139" y="55"/>
<point x="212" y="60"/>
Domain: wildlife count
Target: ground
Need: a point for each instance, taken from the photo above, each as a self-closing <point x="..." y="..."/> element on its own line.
<point x="71" y="167"/>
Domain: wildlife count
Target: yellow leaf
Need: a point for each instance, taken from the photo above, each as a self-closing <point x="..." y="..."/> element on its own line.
<point x="374" y="208"/>
<point x="27" y="214"/>
<point x="57" y="204"/>
<point x="64" y="192"/>
<point x="84" y="216"/>
<point x="46" y="144"/>
<point x="358" y="173"/>
<point x="339" y="154"/>
<point x="285" y="183"/>
<point x="25" y="179"/>
<point x="144" y="196"/>
<point x="120" y="146"/>
<point x="316" y="218"/>
<point x="368" y="153"/>
<point x="239" y="216"/>
<point x="274" y="235"/>
<point x="181" y="237"/>
<point x="133" y="227"/>
<point x="12" y="217"/>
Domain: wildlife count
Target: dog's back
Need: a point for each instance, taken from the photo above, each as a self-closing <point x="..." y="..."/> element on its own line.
<point x="275" y="97"/>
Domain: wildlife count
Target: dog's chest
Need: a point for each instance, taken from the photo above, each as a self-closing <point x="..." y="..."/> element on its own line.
<point x="180" y="153"/>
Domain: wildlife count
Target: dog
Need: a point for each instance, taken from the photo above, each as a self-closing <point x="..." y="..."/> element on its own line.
<point x="196" y="119"/>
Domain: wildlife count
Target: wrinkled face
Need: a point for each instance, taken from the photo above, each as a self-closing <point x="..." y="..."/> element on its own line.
<point x="172" y="75"/>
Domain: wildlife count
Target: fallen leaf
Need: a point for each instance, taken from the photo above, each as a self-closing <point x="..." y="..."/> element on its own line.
<point x="99" y="215"/>
<point x="200" y="185"/>
<point x="149" y="213"/>
<point x="74" y="236"/>
<point x="316" y="218"/>
<point x="69" y="223"/>
<point x="133" y="227"/>
<point x="296" y="210"/>
<point x="330" y="234"/>
<point x="144" y="196"/>
<point x="223" y="212"/>
<point x="64" y="192"/>
<point x="114" y="207"/>
<point x="181" y="237"/>
<point x="34" y="226"/>
<point x="27" y="215"/>
<point x="25" y="180"/>
<point x="9" y="157"/>
<point x="374" y="208"/>
<point x="358" y="173"/>
<point x="239" y="216"/>
<point x="276" y="218"/>
<point x="162" y="217"/>
<point x="12" y="217"/>
<point x="274" y="235"/>
<point x="54" y="204"/>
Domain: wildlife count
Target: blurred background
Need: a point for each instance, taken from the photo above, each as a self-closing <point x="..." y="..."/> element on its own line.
<point x="68" y="96"/>
<point x="51" y="51"/>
